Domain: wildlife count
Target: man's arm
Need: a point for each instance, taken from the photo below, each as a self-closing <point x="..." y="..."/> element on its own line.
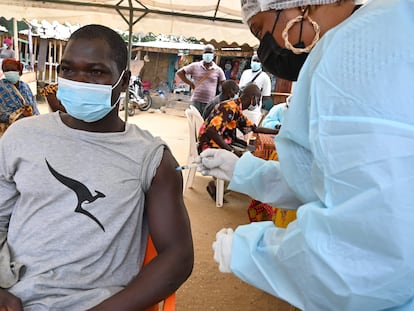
<point x="212" y="134"/>
<point x="170" y="230"/>
<point x="8" y="275"/>
<point x="243" y="79"/>
<point x="265" y="130"/>
<point x="266" y="86"/>
<point x="54" y="103"/>
<point x="222" y="76"/>
<point x="9" y="302"/>
<point x="182" y="75"/>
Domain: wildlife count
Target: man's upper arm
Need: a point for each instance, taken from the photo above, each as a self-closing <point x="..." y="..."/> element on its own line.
<point x="8" y="194"/>
<point x="222" y="76"/>
<point x="167" y="216"/>
<point x="267" y="86"/>
<point x="181" y="73"/>
<point x="243" y="79"/>
<point x="189" y="69"/>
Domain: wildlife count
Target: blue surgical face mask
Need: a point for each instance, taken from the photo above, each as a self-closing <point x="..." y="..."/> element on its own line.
<point x="12" y="76"/>
<point x="86" y="101"/>
<point x="256" y="66"/>
<point x="208" y="57"/>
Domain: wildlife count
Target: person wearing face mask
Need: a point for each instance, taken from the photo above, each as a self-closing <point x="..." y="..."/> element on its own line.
<point x="16" y="98"/>
<point x="219" y="129"/>
<point x="205" y="77"/>
<point x="7" y="50"/>
<point x="81" y="191"/>
<point x="348" y="249"/>
<point x="256" y="75"/>
<point x="276" y="115"/>
<point x="229" y="90"/>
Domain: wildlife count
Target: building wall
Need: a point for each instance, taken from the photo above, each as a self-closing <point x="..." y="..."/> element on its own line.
<point x="156" y="70"/>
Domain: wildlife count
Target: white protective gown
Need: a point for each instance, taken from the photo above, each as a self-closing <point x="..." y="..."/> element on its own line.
<point x="347" y="151"/>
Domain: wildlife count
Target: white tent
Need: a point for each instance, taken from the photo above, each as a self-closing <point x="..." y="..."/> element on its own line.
<point x="208" y="19"/>
<point x="218" y="20"/>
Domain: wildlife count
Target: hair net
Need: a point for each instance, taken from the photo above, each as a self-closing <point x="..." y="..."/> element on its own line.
<point x="252" y="7"/>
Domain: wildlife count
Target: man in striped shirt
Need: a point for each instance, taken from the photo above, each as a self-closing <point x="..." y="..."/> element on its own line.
<point x="205" y="76"/>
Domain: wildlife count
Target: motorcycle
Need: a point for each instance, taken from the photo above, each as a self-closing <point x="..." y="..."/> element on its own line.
<point x="139" y="98"/>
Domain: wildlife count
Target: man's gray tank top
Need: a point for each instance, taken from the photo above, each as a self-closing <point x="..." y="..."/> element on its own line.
<point x="77" y="214"/>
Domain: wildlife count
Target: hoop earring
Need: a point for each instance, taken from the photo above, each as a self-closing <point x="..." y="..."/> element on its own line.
<point x="289" y="25"/>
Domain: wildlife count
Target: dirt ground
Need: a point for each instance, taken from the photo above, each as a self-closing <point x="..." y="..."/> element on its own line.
<point x="207" y="288"/>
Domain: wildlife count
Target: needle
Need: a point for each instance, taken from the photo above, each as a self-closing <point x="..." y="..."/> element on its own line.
<point x="185" y="167"/>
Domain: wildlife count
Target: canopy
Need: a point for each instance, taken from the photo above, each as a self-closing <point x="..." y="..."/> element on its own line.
<point x="218" y="20"/>
<point x="8" y="25"/>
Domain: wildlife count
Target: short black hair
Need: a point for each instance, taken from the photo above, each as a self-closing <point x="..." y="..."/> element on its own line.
<point x="229" y="85"/>
<point x="250" y="89"/>
<point x="119" y="51"/>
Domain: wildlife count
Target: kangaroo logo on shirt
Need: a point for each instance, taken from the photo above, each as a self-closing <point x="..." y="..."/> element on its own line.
<point x="82" y="192"/>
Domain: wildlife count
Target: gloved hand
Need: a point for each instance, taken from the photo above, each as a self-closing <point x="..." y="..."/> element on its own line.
<point x="222" y="249"/>
<point x="219" y="163"/>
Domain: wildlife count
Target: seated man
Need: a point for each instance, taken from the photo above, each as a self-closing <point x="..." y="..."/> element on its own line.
<point x="276" y="115"/>
<point x="229" y="89"/>
<point x="81" y="232"/>
<point x="256" y="75"/>
<point x="219" y="129"/>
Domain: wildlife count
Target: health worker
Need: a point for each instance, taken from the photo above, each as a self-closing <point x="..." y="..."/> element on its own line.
<point x="346" y="154"/>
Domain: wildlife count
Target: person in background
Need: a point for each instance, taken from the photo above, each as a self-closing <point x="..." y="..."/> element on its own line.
<point x="16" y="98"/>
<point x="219" y="129"/>
<point x="256" y="75"/>
<point x="345" y="158"/>
<point x="77" y="239"/>
<point x="7" y="50"/>
<point x="50" y="92"/>
<point x="274" y="118"/>
<point x="206" y="76"/>
<point x="229" y="89"/>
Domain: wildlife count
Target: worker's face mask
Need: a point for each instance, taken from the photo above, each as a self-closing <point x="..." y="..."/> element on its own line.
<point x="281" y="62"/>
<point x="208" y="57"/>
<point x="256" y="66"/>
<point x="86" y="101"/>
<point x="253" y="104"/>
<point x="12" y="76"/>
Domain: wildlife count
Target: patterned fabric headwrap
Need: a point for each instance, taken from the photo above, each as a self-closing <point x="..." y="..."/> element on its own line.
<point x="12" y="61"/>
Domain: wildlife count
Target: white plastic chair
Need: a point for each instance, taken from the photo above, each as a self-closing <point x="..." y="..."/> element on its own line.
<point x="195" y="120"/>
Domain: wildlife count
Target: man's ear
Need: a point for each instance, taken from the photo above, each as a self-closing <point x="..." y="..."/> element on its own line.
<point x="125" y="80"/>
